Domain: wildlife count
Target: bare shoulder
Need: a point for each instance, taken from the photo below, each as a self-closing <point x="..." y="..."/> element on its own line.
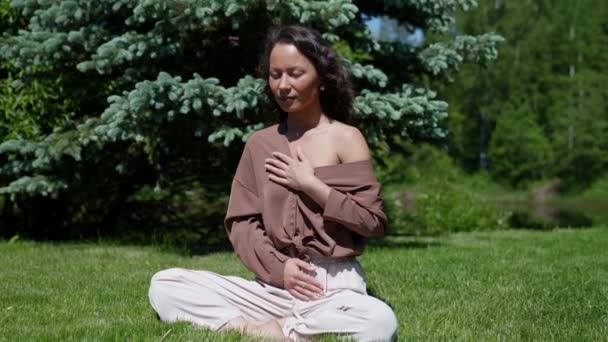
<point x="350" y="143"/>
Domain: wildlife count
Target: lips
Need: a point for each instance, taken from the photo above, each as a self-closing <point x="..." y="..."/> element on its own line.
<point x="289" y="98"/>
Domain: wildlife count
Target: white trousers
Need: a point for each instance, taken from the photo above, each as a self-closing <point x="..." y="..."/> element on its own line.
<point x="211" y="300"/>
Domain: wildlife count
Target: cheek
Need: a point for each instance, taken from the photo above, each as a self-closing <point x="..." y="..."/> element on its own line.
<point x="273" y="86"/>
<point x="312" y="81"/>
<point x="310" y="92"/>
<point x="306" y="86"/>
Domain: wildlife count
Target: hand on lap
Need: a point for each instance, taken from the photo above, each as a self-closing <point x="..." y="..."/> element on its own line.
<point x="298" y="282"/>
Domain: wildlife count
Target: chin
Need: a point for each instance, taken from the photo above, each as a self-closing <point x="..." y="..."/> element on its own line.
<point x="290" y="109"/>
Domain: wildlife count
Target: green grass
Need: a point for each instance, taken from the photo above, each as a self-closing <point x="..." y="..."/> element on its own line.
<point x="505" y="285"/>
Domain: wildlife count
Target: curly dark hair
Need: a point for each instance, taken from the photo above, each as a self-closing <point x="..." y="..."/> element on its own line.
<point x="337" y="98"/>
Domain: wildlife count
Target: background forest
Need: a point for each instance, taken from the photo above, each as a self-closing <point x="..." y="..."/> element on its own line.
<point x="125" y="119"/>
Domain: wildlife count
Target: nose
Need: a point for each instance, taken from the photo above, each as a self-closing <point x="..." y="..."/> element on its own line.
<point x="284" y="86"/>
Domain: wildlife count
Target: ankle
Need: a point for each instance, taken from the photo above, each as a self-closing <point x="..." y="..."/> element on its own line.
<point x="281" y="321"/>
<point x="239" y="324"/>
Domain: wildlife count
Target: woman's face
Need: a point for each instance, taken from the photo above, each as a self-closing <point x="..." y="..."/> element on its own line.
<point x="292" y="78"/>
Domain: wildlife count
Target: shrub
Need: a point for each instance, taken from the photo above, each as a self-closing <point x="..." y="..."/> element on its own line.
<point x="184" y="215"/>
<point x="440" y="198"/>
<point x="598" y="190"/>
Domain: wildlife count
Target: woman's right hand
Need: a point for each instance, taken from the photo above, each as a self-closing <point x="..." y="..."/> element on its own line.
<point x="298" y="283"/>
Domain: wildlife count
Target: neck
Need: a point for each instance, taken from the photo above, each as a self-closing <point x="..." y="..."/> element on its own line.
<point x="305" y="120"/>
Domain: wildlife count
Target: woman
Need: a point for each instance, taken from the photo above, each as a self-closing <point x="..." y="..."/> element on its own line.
<point x="303" y="200"/>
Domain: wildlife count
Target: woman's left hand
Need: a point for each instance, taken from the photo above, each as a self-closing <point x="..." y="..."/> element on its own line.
<point x="297" y="174"/>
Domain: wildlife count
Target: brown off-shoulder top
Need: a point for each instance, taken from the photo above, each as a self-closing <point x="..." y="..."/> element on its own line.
<point x="268" y="223"/>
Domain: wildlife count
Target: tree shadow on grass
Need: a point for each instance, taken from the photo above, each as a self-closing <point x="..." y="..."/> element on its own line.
<point x="404" y="242"/>
<point x="392" y="241"/>
<point x="202" y="249"/>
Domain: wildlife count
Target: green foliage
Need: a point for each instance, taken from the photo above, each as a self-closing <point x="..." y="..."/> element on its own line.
<point x="595" y="201"/>
<point x="443" y="58"/>
<point x="436" y="17"/>
<point x="578" y="128"/>
<point x="31" y="107"/>
<point x="462" y="147"/>
<point x="598" y="190"/>
<point x="10" y="20"/>
<point x="182" y="215"/>
<point x="157" y="92"/>
<point x="443" y="207"/>
<point x="440" y="198"/>
<point x="551" y="58"/>
<point x="519" y="150"/>
<point x="390" y="160"/>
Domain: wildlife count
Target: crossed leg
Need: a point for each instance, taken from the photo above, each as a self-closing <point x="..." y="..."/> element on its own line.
<point x="225" y="302"/>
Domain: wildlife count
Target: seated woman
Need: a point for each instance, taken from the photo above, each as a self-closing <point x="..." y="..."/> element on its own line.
<point x="303" y="200"/>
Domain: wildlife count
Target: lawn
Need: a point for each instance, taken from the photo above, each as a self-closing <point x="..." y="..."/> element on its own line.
<point x="504" y="285"/>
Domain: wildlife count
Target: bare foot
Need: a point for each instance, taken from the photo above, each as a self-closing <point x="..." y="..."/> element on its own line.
<point x="271" y="329"/>
<point x="238" y="324"/>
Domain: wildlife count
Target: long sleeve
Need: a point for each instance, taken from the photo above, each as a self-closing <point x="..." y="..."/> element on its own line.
<point x="356" y="203"/>
<point x="245" y="227"/>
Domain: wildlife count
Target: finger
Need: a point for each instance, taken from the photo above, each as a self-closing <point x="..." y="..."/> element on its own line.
<point x="311" y="283"/>
<point x="312" y="289"/>
<point x="276" y="171"/>
<point x="278" y="180"/>
<point x="298" y="295"/>
<point x="305" y="265"/>
<point x="283" y="157"/>
<point x="306" y="293"/>
<point x="277" y="163"/>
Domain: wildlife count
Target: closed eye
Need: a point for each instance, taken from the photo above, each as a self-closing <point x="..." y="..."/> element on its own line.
<point x="295" y="74"/>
